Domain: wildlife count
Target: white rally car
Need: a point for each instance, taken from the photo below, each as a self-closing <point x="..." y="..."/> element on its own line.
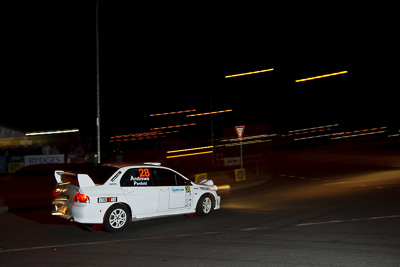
<point x="114" y="195"/>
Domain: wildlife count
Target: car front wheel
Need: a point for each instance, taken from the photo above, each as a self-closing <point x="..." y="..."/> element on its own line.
<point x="205" y="205"/>
<point x="116" y="218"/>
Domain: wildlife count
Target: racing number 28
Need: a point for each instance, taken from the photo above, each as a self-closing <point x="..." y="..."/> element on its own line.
<point x="144" y="173"/>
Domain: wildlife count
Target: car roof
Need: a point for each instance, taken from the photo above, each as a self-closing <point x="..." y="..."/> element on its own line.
<point x="123" y="166"/>
<point x="131" y="164"/>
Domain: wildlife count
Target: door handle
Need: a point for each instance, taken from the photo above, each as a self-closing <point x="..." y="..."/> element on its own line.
<point x="130" y="190"/>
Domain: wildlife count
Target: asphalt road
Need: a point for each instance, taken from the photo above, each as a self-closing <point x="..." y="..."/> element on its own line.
<point x="308" y="214"/>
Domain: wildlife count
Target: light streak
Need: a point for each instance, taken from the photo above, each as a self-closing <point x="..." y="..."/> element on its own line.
<point x="321" y="76"/>
<point x="52" y="132"/>
<point x="248" y="137"/>
<point x="190" y="154"/>
<point x="171" y="113"/>
<point x="248" y="73"/>
<point x="224" y="187"/>
<point x="189" y="149"/>
<point x="314" y="136"/>
<point x="244" y="143"/>
<point x="393" y="135"/>
<point x="313" y="128"/>
<point x="339" y="135"/>
<point x="139" y="136"/>
<point x="173" y="126"/>
<point x="209" y="113"/>
<point x="354" y="135"/>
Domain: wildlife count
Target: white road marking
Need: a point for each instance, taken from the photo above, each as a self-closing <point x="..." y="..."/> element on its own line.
<point x="79" y="244"/>
<point x="185" y="235"/>
<point x="250" y="229"/>
<point x="351" y="220"/>
<point x="213" y="233"/>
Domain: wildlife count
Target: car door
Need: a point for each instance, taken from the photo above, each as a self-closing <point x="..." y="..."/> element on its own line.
<point x="162" y="181"/>
<point x="182" y="182"/>
<point x="143" y="197"/>
<point x="178" y="188"/>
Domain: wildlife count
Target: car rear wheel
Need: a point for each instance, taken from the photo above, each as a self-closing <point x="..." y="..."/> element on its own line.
<point x="205" y="205"/>
<point x="116" y="218"/>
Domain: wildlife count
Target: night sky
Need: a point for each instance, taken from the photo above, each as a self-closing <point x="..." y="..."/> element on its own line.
<point x="161" y="58"/>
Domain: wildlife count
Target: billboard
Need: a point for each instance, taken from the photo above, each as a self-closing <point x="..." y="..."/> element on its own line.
<point x="44" y="159"/>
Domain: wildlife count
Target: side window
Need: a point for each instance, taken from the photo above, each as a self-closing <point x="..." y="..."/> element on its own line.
<point x="164" y="177"/>
<point x="137" y="177"/>
<point x="181" y="181"/>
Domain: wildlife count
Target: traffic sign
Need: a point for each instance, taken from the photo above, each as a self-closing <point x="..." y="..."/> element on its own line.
<point x="240" y="175"/>
<point x="239" y="131"/>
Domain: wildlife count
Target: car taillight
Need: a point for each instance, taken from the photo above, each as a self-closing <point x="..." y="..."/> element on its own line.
<point x="56" y="192"/>
<point x="81" y="198"/>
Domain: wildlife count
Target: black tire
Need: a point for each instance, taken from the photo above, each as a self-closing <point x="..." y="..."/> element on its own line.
<point x="116" y="218"/>
<point x="205" y="205"/>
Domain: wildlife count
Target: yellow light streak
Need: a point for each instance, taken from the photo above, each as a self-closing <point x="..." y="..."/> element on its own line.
<point x="248" y="73"/>
<point x="190" y="154"/>
<point x="189" y="149"/>
<point x="322" y="76"/>
<point x="173" y="126"/>
<point x="173" y="112"/>
<point x="209" y="113"/>
<point x="224" y="187"/>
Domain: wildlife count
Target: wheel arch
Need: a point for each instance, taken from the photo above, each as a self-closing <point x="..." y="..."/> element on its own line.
<point x="201" y="197"/>
<point x="207" y="194"/>
<point x="123" y="204"/>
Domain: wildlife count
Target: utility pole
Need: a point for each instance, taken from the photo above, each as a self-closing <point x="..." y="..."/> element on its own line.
<point x="212" y="128"/>
<point x="98" y="84"/>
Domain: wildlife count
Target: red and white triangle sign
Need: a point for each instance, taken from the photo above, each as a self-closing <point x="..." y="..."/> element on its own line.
<point x="239" y="131"/>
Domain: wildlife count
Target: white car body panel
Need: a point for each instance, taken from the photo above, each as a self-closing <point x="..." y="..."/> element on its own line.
<point x="144" y="201"/>
<point x="85" y="181"/>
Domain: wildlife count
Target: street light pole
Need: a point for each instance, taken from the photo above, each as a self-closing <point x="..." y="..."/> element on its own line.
<point x="212" y="127"/>
<point x="98" y="83"/>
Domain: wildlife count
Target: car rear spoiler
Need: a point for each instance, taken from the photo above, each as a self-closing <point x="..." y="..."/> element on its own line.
<point x="57" y="175"/>
<point x="84" y="180"/>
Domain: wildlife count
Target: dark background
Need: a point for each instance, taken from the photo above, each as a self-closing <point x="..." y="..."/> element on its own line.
<point x="165" y="57"/>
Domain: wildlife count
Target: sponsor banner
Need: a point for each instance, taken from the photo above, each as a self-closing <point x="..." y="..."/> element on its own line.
<point x="15" y="166"/>
<point x="44" y="159"/>
<point x="16" y="159"/>
<point x="200" y="178"/>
